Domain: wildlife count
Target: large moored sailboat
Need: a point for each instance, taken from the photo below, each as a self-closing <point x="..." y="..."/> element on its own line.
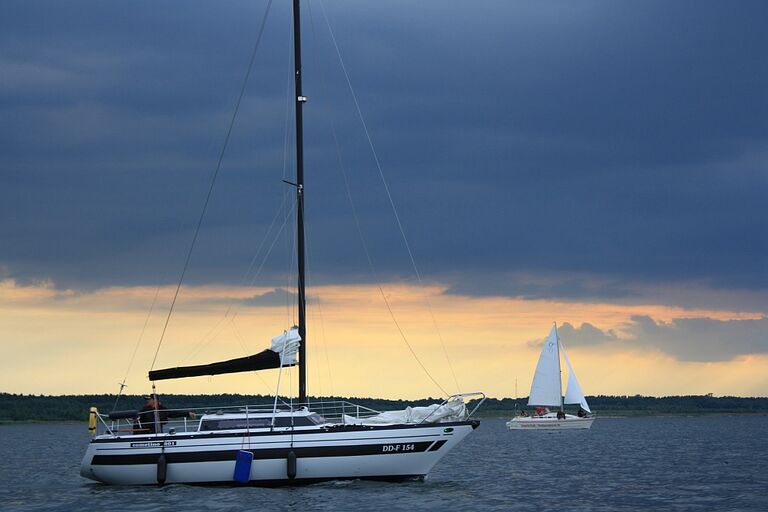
<point x="278" y="442"/>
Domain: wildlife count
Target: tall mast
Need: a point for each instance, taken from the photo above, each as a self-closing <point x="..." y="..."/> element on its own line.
<point x="300" y="99"/>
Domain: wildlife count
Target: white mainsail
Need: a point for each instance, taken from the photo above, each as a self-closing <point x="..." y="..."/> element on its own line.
<point x="546" y="388"/>
<point x="573" y="394"/>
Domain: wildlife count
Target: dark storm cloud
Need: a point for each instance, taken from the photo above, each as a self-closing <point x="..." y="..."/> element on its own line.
<point x="615" y="143"/>
<point x="685" y="339"/>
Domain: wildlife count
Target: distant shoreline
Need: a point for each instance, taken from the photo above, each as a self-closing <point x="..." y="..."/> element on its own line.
<point x="19" y="408"/>
<point x="500" y="416"/>
<point x="641" y="414"/>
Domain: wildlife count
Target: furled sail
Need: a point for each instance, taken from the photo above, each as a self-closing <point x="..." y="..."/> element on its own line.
<point x="545" y="389"/>
<point x="573" y="394"/>
<point x="283" y="352"/>
<point x="287" y="345"/>
<point x="453" y="410"/>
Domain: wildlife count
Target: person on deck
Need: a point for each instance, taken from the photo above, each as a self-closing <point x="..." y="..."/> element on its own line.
<point x="147" y="419"/>
<point x="582" y="413"/>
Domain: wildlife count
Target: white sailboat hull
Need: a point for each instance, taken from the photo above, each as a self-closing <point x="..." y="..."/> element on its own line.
<point x="549" y="422"/>
<point x="392" y="452"/>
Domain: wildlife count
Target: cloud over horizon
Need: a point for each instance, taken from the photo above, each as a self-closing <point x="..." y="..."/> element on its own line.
<point x="685" y="339"/>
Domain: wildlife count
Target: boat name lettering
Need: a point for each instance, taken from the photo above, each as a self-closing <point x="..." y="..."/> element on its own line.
<point x="153" y="444"/>
<point x="398" y="448"/>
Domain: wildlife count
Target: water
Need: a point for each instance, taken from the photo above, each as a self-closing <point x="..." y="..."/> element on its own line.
<point x="632" y="464"/>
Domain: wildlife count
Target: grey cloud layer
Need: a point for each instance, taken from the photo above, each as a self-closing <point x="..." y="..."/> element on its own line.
<point x="626" y="142"/>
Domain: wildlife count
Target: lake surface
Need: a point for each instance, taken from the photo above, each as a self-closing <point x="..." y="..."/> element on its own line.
<point x="623" y="464"/>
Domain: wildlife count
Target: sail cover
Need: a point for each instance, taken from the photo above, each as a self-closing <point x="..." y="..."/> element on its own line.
<point x="453" y="410"/>
<point x="283" y="352"/>
<point x="545" y="389"/>
<point x="573" y="394"/>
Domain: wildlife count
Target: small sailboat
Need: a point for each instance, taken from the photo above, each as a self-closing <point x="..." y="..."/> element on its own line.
<point x="274" y="443"/>
<point x="546" y="392"/>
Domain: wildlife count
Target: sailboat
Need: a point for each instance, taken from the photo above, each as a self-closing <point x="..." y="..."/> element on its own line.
<point x="283" y="442"/>
<point x="546" y="392"/>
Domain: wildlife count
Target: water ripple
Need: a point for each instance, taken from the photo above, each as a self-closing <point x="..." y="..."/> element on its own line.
<point x="632" y="464"/>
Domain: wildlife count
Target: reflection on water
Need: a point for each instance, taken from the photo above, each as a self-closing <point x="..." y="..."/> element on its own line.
<point x="633" y="464"/>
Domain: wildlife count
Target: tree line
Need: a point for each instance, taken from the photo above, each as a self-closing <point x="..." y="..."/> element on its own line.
<point x="21" y="407"/>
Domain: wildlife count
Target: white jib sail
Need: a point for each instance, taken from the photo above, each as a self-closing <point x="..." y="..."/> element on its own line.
<point x="573" y="394"/>
<point x="545" y="388"/>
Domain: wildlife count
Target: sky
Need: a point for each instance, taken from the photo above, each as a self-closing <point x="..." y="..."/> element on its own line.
<point x="598" y="164"/>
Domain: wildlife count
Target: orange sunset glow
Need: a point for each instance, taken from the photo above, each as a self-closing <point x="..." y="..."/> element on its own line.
<point x="76" y="342"/>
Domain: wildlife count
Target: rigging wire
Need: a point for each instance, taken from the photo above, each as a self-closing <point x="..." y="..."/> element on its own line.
<point x="211" y="335"/>
<point x="213" y="180"/>
<point x="381" y="289"/>
<point x="204" y="342"/>
<point x="321" y="321"/>
<point x="123" y="385"/>
<point x="263" y="241"/>
<point x="269" y="251"/>
<point x="278" y="213"/>
<point x="290" y="243"/>
<point x="392" y="205"/>
<point x="316" y="299"/>
<point x="267" y="236"/>
<point x="318" y="302"/>
<point x="243" y="344"/>
<point x="371" y="265"/>
<point x="313" y="347"/>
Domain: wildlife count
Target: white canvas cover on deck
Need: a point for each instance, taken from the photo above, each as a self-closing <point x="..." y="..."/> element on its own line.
<point x="287" y="345"/>
<point x="454" y="410"/>
<point x="573" y="394"/>
<point x="545" y="388"/>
